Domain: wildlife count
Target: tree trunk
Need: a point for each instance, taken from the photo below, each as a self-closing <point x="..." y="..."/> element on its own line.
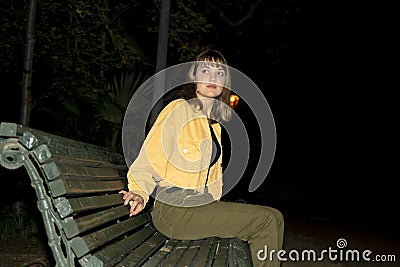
<point x="161" y="59"/>
<point x="28" y="59"/>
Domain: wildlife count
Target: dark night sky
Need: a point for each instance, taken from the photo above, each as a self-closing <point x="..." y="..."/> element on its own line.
<point x="335" y="115"/>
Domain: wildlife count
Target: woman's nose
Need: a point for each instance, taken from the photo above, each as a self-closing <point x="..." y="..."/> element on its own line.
<point x="213" y="77"/>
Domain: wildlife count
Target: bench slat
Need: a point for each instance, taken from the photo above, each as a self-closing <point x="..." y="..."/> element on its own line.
<point x="139" y="255"/>
<point x="73" y="227"/>
<point x="69" y="206"/>
<point x="221" y="257"/>
<point x="157" y="258"/>
<point x="206" y="253"/>
<point x="48" y="138"/>
<point x="239" y="254"/>
<point x="189" y="255"/>
<point x="82" y="245"/>
<point x="76" y="156"/>
<point x="113" y="253"/>
<point x="72" y="187"/>
<point x="54" y="170"/>
<point x="176" y="253"/>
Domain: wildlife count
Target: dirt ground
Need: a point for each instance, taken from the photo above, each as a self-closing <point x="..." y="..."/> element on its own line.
<point x="319" y="234"/>
<point x="31" y="252"/>
<point x="301" y="234"/>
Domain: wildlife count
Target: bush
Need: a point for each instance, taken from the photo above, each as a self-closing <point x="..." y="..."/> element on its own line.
<point x="17" y="222"/>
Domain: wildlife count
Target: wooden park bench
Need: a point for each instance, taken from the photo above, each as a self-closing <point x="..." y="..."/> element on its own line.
<point x="86" y="223"/>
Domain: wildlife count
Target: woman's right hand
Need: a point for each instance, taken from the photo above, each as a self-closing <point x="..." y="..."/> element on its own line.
<point x="136" y="201"/>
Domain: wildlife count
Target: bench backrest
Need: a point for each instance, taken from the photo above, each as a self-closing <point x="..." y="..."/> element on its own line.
<point x="77" y="187"/>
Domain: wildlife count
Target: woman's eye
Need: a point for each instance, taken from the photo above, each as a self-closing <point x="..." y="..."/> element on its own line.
<point x="205" y="71"/>
<point x="221" y="73"/>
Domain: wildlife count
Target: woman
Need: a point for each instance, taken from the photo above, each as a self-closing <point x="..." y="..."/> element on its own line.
<point x="181" y="160"/>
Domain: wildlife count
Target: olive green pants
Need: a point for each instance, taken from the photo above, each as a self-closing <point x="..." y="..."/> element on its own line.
<point x="259" y="225"/>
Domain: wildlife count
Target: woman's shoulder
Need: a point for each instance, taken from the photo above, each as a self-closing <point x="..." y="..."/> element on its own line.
<point x="177" y="103"/>
<point x="180" y="108"/>
<point x="173" y="106"/>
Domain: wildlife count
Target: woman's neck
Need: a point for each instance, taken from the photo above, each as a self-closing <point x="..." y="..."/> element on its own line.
<point x="207" y="105"/>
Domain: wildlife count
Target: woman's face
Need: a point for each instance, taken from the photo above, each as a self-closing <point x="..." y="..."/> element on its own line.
<point x="210" y="79"/>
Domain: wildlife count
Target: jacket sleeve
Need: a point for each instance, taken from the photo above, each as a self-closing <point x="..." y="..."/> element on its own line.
<point x="150" y="165"/>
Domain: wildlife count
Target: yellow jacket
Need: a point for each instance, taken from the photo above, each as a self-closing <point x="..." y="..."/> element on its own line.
<point x="177" y="152"/>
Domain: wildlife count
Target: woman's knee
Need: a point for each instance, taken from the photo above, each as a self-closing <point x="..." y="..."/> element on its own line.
<point x="279" y="216"/>
<point x="273" y="215"/>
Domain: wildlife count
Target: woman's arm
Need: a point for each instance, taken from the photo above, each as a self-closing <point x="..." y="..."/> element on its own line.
<point x="150" y="165"/>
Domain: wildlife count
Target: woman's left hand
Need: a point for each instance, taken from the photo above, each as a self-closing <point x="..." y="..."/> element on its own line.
<point x="136" y="201"/>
